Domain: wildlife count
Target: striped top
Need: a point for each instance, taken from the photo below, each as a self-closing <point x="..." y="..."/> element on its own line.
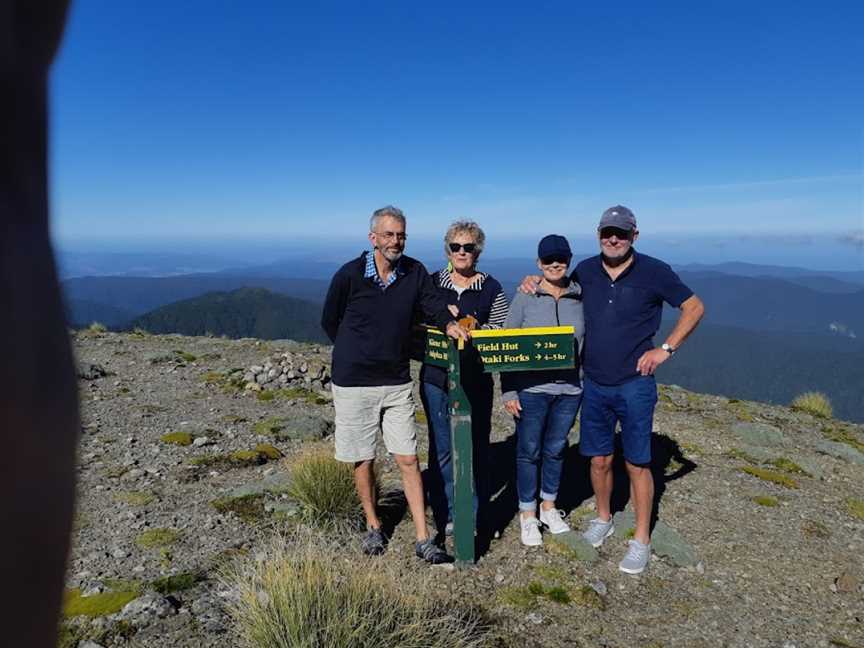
<point x="500" y="306"/>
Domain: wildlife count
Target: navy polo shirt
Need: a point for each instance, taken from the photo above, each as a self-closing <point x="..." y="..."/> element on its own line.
<point x="622" y="316"/>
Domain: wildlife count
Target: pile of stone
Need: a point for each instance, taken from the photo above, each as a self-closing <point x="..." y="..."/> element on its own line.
<point x="284" y="370"/>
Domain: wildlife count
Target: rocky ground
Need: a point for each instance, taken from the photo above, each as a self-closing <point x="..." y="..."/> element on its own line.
<point x="759" y="542"/>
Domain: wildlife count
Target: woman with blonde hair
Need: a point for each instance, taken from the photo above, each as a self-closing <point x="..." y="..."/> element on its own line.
<point x="476" y="298"/>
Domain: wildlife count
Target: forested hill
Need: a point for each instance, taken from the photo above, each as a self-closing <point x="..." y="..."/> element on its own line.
<point x="246" y="312"/>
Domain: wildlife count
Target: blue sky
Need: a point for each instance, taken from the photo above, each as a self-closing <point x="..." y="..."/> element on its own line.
<point x="274" y="121"/>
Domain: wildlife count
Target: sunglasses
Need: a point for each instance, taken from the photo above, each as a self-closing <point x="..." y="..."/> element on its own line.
<point x="555" y="258"/>
<point x="469" y="248"/>
<point x="609" y="232"/>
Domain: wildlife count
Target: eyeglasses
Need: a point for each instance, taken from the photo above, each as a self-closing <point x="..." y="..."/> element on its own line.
<point x="470" y="248"/>
<point x="555" y="258"/>
<point x="387" y="236"/>
<point x="617" y="232"/>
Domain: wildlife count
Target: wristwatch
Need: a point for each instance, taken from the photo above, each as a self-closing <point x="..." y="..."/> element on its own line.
<point x="668" y="348"/>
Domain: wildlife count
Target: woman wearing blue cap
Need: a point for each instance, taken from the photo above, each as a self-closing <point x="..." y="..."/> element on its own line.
<point x="544" y="403"/>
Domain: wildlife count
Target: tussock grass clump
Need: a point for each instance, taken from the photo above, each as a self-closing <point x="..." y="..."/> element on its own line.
<point x="307" y="595"/>
<point x="97" y="327"/>
<point x="323" y="487"/>
<point x="815" y="403"/>
<point x="771" y="476"/>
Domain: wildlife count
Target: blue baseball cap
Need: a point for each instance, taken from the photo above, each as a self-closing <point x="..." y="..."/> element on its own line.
<point x="553" y="245"/>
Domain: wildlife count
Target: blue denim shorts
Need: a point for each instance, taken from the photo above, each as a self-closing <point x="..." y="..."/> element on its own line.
<point x="632" y="404"/>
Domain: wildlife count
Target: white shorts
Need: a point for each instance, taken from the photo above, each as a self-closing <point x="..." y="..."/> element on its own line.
<point x="362" y="411"/>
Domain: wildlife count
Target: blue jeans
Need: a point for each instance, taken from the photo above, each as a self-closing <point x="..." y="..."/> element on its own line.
<point x="436" y="403"/>
<point x="541" y="439"/>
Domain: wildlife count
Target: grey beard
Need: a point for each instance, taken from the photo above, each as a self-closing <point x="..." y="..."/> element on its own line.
<point x="614" y="263"/>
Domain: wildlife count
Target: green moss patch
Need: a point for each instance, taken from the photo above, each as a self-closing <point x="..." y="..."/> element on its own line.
<point x="115" y="471"/>
<point x="239" y="458"/>
<point x="840" y="435"/>
<point x="788" y="466"/>
<point x="855" y="507"/>
<point x="269" y="451"/>
<point x="158" y="538"/>
<point x="529" y="597"/>
<point x="247" y="458"/>
<point x="96" y="605"/>
<point x="249" y="508"/>
<point x="177" y="438"/>
<point x="771" y="476"/>
<point x="178" y="582"/>
<point x="135" y="498"/>
<point x="766" y="500"/>
<point x="300" y="394"/>
<point x="186" y="357"/>
<point x="72" y="633"/>
<point x="265" y="396"/>
<point x="735" y="453"/>
<point x="692" y="448"/>
<point x="269" y="427"/>
<point x="582" y="513"/>
<point x="815" y="529"/>
<point x="587" y="597"/>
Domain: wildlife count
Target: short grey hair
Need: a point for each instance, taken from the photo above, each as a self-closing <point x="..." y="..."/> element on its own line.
<point x="385" y="212"/>
<point x="465" y="227"/>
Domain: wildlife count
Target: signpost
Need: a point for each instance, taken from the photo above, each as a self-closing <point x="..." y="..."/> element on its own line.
<point x="499" y="350"/>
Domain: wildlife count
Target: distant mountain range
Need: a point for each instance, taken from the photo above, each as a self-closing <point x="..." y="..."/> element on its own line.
<point x="246" y="312"/>
<point x="769" y="333"/>
<point x="770" y="367"/>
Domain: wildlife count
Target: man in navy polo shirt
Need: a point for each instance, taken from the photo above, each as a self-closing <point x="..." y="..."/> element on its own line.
<point x="623" y="294"/>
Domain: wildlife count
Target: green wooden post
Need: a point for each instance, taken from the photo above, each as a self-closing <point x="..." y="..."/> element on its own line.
<point x="463" y="459"/>
<point x="499" y="350"/>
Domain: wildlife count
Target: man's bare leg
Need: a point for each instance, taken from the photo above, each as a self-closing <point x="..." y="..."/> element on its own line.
<point x="642" y="489"/>
<point x="601" y="482"/>
<point x="412" y="483"/>
<point x="38" y="390"/>
<point x="364" y="480"/>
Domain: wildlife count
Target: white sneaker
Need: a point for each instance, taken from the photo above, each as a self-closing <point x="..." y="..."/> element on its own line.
<point x="530" y="532"/>
<point x="553" y="519"/>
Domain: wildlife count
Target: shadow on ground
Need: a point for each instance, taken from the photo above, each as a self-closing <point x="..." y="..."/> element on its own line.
<point x="502" y="509"/>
